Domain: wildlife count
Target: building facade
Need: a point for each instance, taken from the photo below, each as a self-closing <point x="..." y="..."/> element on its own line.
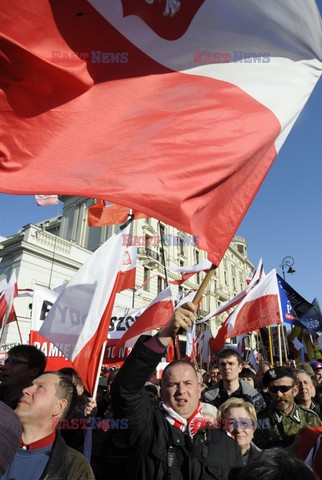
<point x="50" y="252"/>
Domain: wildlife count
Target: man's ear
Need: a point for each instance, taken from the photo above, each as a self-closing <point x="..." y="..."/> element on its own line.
<point x="240" y="367"/>
<point x="199" y="390"/>
<point x="295" y="390"/>
<point x="60" y="406"/>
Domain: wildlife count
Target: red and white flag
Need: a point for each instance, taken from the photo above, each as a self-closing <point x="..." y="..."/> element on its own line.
<point x="46" y="200"/>
<point x="43" y="300"/>
<point x="108" y="213"/>
<point x="181" y="116"/>
<point x="197" y="344"/>
<point x="122" y="319"/>
<point x="156" y="315"/>
<point x="189" y="271"/>
<point x="261" y="307"/>
<point x="128" y="271"/>
<point x="7" y="309"/>
<point x="257" y="275"/>
<point x="79" y="319"/>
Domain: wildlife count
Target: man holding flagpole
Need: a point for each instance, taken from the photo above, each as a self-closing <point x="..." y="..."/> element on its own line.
<point x="170" y="441"/>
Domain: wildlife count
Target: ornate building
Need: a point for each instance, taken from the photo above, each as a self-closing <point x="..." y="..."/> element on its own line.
<point x="49" y="253"/>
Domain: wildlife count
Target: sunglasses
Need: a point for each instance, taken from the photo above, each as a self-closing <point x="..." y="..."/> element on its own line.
<point x="280" y="388"/>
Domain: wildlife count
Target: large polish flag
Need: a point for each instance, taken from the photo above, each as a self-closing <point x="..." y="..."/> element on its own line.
<point x="78" y="321"/>
<point x="190" y="270"/>
<point x="108" y="213"/>
<point x="156" y="315"/>
<point x="260" y="307"/>
<point x="176" y="109"/>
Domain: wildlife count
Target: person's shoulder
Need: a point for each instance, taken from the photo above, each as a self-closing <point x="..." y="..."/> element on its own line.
<point x="307" y="413"/>
<point x="211" y="393"/>
<point x="78" y="467"/>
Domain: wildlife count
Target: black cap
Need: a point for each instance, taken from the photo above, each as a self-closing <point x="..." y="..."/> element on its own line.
<point x="276" y="373"/>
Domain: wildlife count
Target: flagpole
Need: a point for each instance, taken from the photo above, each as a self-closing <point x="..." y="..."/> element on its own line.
<point x="204" y="284"/>
<point x="175" y="340"/>
<point x="195" y="301"/>
<point x="279" y="344"/>
<point x="98" y="374"/>
<point x="19" y="331"/>
<point x="270" y="344"/>
<point x="284" y="343"/>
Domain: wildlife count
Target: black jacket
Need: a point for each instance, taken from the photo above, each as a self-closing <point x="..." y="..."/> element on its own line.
<point x="66" y="464"/>
<point x="245" y="391"/>
<point x="162" y="451"/>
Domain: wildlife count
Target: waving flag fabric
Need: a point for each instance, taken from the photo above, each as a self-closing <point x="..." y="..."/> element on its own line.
<point x="128" y="271"/>
<point x="78" y="321"/>
<point x="223" y="307"/>
<point x="108" y="213"/>
<point x="45" y="200"/>
<point x="189" y="271"/>
<point x="174" y="109"/>
<point x="260" y="308"/>
<point x="7" y="309"/>
<point x="156" y="315"/>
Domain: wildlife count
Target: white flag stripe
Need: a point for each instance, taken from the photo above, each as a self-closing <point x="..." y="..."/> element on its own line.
<point x="268" y="286"/>
<point x="186" y="299"/>
<point x="201" y="266"/>
<point x="229" y="26"/>
<point x="164" y="296"/>
<point x="129" y="261"/>
<point x="78" y="310"/>
<point x="223" y="307"/>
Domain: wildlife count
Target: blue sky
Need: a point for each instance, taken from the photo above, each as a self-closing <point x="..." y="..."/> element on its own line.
<point x="285" y="218"/>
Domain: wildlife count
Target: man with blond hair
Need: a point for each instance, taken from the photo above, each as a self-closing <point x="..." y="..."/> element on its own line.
<point x="43" y="453"/>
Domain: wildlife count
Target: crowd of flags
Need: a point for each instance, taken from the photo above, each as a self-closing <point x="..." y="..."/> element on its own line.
<point x="185" y="141"/>
<point x="76" y="318"/>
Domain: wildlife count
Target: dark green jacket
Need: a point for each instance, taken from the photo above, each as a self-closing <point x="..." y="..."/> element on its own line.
<point x="278" y="430"/>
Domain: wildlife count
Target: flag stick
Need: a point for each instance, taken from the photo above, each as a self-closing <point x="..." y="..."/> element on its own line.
<point x="260" y="338"/>
<point x="19" y="331"/>
<point x="284" y="343"/>
<point x="195" y="301"/>
<point x="279" y="344"/>
<point x="98" y="374"/>
<point x="204" y="284"/>
<point x="270" y="344"/>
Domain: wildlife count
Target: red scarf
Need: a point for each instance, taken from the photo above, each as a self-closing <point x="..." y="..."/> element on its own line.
<point x="190" y="426"/>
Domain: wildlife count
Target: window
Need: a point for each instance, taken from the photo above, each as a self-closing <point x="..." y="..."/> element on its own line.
<point x="181" y="246"/>
<point x="146" y="274"/>
<point x="162" y="232"/>
<point x="225" y="277"/>
<point x="160" y="284"/>
<point x="197" y="256"/>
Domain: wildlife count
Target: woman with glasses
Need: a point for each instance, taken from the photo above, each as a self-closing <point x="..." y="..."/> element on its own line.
<point x="239" y="418"/>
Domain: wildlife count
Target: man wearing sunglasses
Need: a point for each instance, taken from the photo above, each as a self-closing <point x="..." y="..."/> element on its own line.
<point x="283" y="419"/>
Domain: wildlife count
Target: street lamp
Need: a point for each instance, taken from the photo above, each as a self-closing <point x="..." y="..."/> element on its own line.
<point x="287" y="262"/>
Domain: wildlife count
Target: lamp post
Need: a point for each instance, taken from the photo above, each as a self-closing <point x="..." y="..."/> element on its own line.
<point x="287" y="262"/>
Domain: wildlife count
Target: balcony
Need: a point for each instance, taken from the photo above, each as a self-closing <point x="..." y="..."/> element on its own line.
<point x="148" y="253"/>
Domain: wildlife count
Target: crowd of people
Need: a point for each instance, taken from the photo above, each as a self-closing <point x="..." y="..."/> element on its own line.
<point x="231" y="422"/>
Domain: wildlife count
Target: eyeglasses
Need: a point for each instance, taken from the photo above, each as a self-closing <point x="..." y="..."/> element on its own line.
<point x="280" y="388"/>
<point x="15" y="361"/>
